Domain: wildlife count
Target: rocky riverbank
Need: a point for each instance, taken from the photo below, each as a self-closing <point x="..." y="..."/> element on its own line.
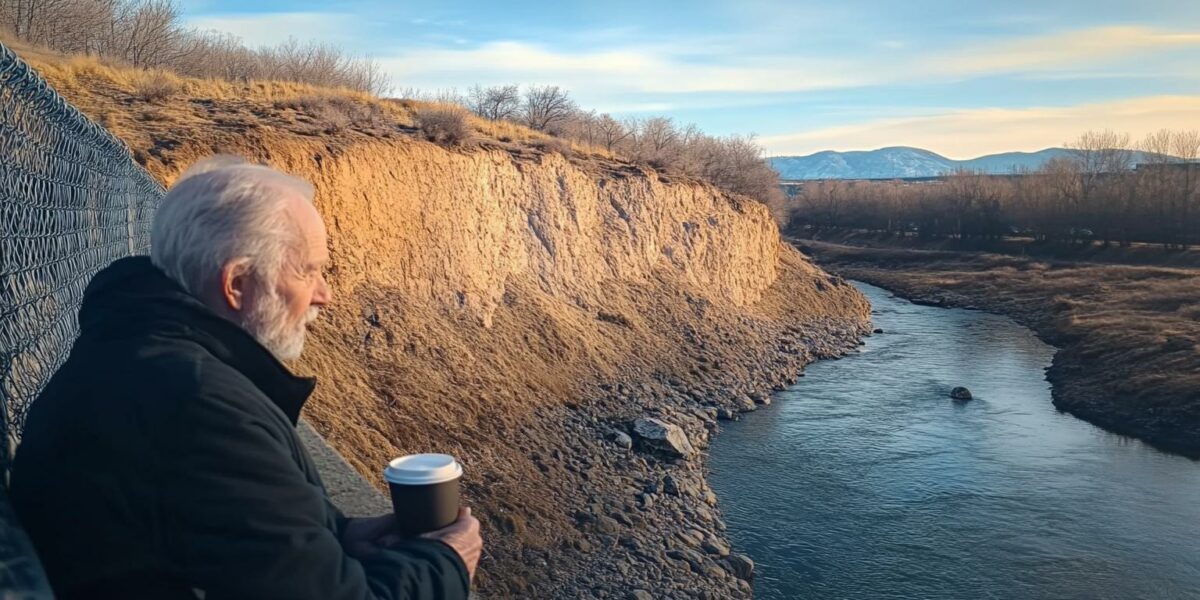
<point x="591" y="486"/>
<point x="1128" y="336"/>
<point x="647" y="524"/>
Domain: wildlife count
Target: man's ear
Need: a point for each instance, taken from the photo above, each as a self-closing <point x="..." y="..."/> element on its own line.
<point x="235" y="282"/>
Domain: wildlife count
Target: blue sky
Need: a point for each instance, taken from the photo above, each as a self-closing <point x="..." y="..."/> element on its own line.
<point x="962" y="78"/>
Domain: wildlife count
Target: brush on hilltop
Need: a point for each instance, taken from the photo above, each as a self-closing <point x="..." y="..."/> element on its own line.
<point x="142" y="51"/>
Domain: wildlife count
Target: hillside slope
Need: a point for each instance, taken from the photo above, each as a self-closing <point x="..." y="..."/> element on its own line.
<point x="512" y="305"/>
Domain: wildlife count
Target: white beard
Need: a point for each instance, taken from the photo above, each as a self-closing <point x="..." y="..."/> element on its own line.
<point x="268" y="323"/>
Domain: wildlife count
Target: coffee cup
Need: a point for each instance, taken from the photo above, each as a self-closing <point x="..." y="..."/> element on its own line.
<point x="424" y="491"/>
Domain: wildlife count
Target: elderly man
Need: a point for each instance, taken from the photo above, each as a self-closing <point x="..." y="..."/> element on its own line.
<point x="162" y="461"/>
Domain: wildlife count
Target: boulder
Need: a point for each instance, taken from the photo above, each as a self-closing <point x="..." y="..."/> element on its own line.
<point x="714" y="545"/>
<point x="741" y="566"/>
<point x="620" y="438"/>
<point x="691" y="557"/>
<point x="761" y="398"/>
<point x="961" y="393"/>
<point x="878" y="330"/>
<point x="680" y="486"/>
<point x="744" y="403"/>
<point x="640" y="595"/>
<point x="663" y="437"/>
<point x="607" y="524"/>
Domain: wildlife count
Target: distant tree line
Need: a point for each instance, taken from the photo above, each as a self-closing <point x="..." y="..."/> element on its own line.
<point x="734" y="163"/>
<point x="1096" y="193"/>
<point x="150" y="34"/>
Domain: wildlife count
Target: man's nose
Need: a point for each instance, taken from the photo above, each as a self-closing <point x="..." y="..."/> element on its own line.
<point x="323" y="295"/>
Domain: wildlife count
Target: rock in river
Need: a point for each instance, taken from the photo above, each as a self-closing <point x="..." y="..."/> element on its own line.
<point x="741" y="566"/>
<point x="960" y="393"/>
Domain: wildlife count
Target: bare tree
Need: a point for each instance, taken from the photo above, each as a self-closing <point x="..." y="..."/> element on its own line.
<point x="151" y="33"/>
<point x="611" y="131"/>
<point x="546" y="107"/>
<point x="659" y="142"/>
<point x="495" y="102"/>
<point x="1099" y="154"/>
<point x="1186" y="148"/>
<point x="33" y="20"/>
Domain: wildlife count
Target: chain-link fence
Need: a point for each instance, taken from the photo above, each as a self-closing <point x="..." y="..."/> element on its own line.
<point x="71" y="202"/>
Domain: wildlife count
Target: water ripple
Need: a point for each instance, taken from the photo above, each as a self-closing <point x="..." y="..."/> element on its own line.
<point x="865" y="480"/>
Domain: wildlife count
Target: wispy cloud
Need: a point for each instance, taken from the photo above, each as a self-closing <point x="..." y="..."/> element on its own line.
<point x="1067" y="50"/>
<point x="772" y="66"/>
<point x="270" y="28"/>
<point x="626" y="69"/>
<point x="970" y="133"/>
<point x="687" y="67"/>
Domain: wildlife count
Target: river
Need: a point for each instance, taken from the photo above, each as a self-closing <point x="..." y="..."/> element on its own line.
<point x="865" y="480"/>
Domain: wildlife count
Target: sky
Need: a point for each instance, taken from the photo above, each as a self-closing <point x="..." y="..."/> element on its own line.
<point x="960" y="77"/>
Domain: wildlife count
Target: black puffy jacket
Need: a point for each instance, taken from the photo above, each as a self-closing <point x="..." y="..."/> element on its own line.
<point x="162" y="461"/>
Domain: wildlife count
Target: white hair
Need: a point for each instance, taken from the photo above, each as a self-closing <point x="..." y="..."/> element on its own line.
<point x="224" y="209"/>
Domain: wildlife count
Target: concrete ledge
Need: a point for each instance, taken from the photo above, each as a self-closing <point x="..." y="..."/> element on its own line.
<point x="348" y="490"/>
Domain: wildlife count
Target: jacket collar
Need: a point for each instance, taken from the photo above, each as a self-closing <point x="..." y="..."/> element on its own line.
<point x="133" y="291"/>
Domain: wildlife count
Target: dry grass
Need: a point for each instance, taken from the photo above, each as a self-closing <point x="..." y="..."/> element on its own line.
<point x="155" y="86"/>
<point x="118" y="96"/>
<point x="333" y="113"/>
<point x="1129" y="336"/>
<point x="445" y="125"/>
<point x="1097" y="252"/>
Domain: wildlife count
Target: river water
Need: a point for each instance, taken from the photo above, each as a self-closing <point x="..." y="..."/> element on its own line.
<point x="865" y="480"/>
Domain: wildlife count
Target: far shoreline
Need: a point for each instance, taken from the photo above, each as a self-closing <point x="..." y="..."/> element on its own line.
<point x="1089" y="362"/>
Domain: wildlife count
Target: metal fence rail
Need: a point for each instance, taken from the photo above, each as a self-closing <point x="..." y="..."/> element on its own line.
<point x="71" y="201"/>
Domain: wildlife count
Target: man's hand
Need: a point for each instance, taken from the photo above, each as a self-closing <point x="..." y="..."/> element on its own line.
<point x="463" y="536"/>
<point x="364" y="537"/>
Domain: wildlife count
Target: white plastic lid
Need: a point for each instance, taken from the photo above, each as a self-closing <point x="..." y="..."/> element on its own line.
<point x="422" y="469"/>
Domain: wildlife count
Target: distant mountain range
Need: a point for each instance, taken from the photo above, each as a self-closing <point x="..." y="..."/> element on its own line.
<point x="901" y="161"/>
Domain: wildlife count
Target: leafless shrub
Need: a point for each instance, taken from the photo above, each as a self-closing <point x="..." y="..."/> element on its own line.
<point x="733" y="163"/>
<point x="546" y="108"/>
<point x="150" y="34"/>
<point x="156" y="85"/>
<point x="610" y="131"/>
<point x="495" y="102"/>
<point x="435" y="96"/>
<point x="336" y="113"/>
<point x="554" y="144"/>
<point x="447" y="125"/>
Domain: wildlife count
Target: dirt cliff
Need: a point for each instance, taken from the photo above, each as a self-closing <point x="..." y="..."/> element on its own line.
<point x="516" y="307"/>
<point x="483" y="302"/>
